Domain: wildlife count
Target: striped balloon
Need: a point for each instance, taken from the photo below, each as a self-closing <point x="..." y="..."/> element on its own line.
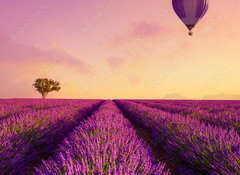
<point x="190" y="11"/>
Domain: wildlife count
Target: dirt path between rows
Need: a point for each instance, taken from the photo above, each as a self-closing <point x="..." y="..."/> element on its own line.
<point x="157" y="152"/>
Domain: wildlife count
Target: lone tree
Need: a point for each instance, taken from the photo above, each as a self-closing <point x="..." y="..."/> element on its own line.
<point x="45" y="85"/>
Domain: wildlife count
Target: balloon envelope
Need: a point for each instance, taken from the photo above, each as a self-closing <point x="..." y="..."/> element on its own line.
<point x="190" y="11"/>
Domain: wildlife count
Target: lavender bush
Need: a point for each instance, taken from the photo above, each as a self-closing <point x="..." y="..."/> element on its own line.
<point x="206" y="148"/>
<point x="105" y="144"/>
<point x="224" y="117"/>
<point x="36" y="133"/>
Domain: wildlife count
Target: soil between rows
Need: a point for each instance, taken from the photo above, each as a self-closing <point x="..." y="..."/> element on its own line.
<point x="45" y="156"/>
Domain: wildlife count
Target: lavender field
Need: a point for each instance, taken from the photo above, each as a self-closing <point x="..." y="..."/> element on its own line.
<point x="105" y="137"/>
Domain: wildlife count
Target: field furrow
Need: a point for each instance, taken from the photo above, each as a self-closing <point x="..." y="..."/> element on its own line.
<point x="149" y="137"/>
<point x="228" y="119"/>
<point x="104" y="144"/>
<point x="208" y="149"/>
<point x="25" y="139"/>
<point x="10" y="108"/>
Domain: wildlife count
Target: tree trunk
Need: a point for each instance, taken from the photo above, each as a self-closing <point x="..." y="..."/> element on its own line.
<point x="44" y="95"/>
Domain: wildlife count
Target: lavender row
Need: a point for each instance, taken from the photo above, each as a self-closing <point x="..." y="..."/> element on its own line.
<point x="18" y="106"/>
<point x="24" y="139"/>
<point x="211" y="106"/>
<point x="227" y="120"/>
<point x="105" y="144"/>
<point x="206" y="148"/>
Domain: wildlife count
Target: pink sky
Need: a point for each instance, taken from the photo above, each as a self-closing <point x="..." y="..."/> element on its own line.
<point x="118" y="49"/>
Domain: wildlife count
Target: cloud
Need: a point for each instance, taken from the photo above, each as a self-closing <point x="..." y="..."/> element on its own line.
<point x="147" y="30"/>
<point x="139" y="31"/>
<point x="115" y="62"/>
<point x="14" y="82"/>
<point x="173" y="96"/>
<point x="222" y="96"/>
<point x="134" y="80"/>
<point x="15" y="53"/>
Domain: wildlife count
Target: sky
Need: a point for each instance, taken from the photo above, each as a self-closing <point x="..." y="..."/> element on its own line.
<point x="119" y="49"/>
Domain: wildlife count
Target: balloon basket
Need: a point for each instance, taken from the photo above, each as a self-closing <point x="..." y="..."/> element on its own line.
<point x="190" y="33"/>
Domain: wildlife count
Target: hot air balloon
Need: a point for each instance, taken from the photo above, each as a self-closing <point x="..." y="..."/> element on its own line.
<point x="190" y="11"/>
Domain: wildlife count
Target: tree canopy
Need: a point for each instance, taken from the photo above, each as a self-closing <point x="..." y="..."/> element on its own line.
<point x="45" y="85"/>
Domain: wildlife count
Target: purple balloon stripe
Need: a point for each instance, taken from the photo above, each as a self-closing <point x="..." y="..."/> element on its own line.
<point x="200" y="8"/>
<point x="190" y="11"/>
<point x="205" y="8"/>
<point x="190" y="7"/>
<point x="178" y="6"/>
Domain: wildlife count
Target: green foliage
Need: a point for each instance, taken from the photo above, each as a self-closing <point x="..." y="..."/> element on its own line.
<point x="45" y="85"/>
